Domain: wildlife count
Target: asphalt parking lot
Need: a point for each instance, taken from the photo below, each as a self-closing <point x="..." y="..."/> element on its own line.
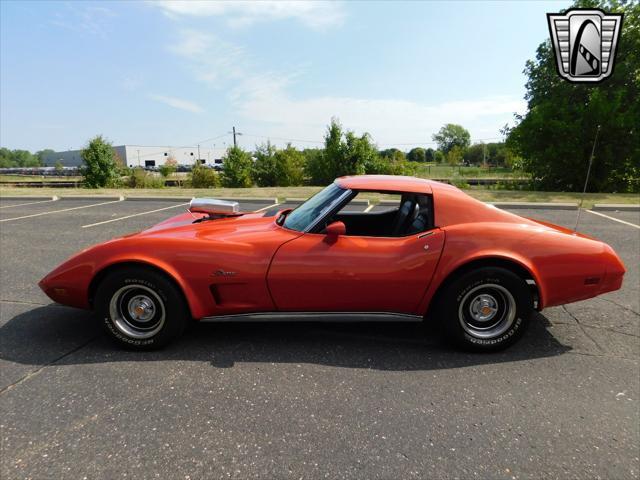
<point x="306" y="400"/>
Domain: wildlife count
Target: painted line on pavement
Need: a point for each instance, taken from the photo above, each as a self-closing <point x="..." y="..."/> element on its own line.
<point x="369" y="208"/>
<point x="614" y="219"/>
<point x="266" y="208"/>
<point x="54" y="199"/>
<point x="134" y="215"/>
<point x="60" y="211"/>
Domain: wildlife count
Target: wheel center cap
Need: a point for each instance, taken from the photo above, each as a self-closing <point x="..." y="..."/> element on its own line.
<point x="141" y="308"/>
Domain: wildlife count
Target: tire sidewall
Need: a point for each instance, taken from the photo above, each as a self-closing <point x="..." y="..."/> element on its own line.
<point x="175" y="313"/>
<point x="456" y="292"/>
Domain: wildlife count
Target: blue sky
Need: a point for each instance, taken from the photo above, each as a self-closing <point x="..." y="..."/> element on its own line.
<point x="179" y="73"/>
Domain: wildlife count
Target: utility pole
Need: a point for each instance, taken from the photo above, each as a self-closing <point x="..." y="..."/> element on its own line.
<point x="235" y="143"/>
<point x="138" y="157"/>
<point x="198" y="153"/>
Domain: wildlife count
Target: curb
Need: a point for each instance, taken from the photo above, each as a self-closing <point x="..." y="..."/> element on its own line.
<point x="624" y="207"/>
<point x="266" y="201"/>
<point x="389" y="202"/>
<point x="158" y="199"/>
<point x="29" y="197"/>
<point x="535" y="205"/>
<point x="106" y="198"/>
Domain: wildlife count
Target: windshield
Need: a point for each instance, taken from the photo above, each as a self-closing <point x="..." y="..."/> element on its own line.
<point x="302" y="217"/>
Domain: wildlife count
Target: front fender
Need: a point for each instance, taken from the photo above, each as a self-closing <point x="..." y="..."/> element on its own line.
<point x="70" y="282"/>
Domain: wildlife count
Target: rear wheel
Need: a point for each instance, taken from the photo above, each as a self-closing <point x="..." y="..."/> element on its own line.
<point x="141" y="309"/>
<point x="486" y="310"/>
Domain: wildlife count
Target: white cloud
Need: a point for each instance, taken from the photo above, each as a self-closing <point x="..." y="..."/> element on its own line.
<point x="178" y="103"/>
<point x="262" y="98"/>
<point x="91" y="19"/>
<point x="389" y="121"/>
<point x="314" y="14"/>
<point x="209" y="57"/>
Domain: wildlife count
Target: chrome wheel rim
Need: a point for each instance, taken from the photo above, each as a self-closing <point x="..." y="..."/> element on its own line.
<point x="137" y="311"/>
<point x="487" y="311"/>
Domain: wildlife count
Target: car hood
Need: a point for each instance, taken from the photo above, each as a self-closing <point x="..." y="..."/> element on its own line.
<point x="186" y="226"/>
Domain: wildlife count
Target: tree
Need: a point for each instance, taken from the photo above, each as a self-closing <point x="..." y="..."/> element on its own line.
<point x="58" y="167"/>
<point x="430" y="155"/>
<point x="475" y="154"/>
<point x="100" y="168"/>
<point x="169" y="167"/>
<point x="344" y="154"/>
<point x="43" y="154"/>
<point x="417" y="155"/>
<point x="236" y="169"/>
<point x="265" y="171"/>
<point x="556" y="135"/>
<point x="290" y="166"/>
<point x="455" y="155"/>
<point x="451" y="135"/>
<point x="388" y="153"/>
<point x="438" y="156"/>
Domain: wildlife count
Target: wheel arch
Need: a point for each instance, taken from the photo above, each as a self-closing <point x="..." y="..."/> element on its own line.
<point x="513" y="265"/>
<point x="107" y="270"/>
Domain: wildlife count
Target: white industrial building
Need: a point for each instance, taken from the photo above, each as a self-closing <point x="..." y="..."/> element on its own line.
<point x="144" y="156"/>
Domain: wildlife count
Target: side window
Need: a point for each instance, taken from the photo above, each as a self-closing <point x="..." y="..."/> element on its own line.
<point x="422" y="219"/>
<point x="396" y="215"/>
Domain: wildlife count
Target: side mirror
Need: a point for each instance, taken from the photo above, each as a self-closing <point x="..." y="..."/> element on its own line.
<point x="334" y="230"/>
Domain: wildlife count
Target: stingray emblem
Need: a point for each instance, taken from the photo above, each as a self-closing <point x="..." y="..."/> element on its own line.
<point x="585" y="42"/>
<point x="223" y="273"/>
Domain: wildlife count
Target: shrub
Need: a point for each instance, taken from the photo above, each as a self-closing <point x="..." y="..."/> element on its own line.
<point x="203" y="177"/>
<point x="139" y="178"/>
<point x="236" y="170"/>
<point x="100" y="168"/>
<point x="169" y="167"/>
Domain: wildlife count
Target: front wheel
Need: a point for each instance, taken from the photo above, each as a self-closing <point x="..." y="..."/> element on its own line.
<point x="487" y="309"/>
<point x="140" y="309"/>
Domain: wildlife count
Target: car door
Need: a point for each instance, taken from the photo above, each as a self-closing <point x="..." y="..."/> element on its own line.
<point x="354" y="273"/>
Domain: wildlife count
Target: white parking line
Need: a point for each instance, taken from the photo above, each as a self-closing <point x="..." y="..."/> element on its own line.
<point x="369" y="208"/>
<point x="134" y="215"/>
<point x="62" y="210"/>
<point x="614" y="219"/>
<point x="266" y="208"/>
<point x="54" y="199"/>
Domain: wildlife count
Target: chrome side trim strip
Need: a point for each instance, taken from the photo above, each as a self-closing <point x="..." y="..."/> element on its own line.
<point x="315" y="317"/>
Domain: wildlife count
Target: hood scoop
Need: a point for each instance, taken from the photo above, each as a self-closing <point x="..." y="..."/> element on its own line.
<point x="214" y="208"/>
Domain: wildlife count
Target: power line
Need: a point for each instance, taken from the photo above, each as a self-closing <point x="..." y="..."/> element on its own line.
<point x="283" y="139"/>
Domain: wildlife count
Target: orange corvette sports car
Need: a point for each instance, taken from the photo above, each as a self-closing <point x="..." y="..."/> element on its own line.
<point x="437" y="254"/>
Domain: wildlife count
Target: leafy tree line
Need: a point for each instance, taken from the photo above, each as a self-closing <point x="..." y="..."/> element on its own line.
<point x="22" y="158"/>
<point x="343" y="153"/>
<point x="555" y="137"/>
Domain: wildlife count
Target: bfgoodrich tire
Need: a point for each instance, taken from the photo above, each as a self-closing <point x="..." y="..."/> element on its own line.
<point x="485" y="310"/>
<point x="141" y="309"/>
